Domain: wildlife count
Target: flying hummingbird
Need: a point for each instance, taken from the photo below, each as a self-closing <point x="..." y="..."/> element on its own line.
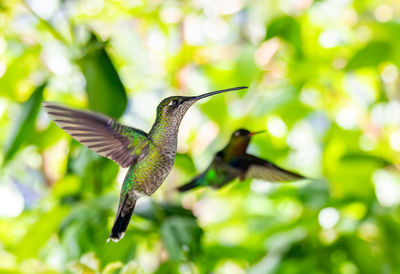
<point x="149" y="156"/>
<point x="233" y="162"/>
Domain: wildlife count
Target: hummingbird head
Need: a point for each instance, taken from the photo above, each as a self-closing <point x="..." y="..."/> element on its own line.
<point x="245" y="134"/>
<point x="240" y="139"/>
<point x="174" y="107"/>
<point x="241" y="133"/>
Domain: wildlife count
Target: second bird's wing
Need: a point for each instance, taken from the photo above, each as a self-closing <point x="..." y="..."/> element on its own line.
<point x="218" y="174"/>
<point x="100" y="133"/>
<point x="267" y="171"/>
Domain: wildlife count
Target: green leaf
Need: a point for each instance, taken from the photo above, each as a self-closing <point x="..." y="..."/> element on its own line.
<point x="131" y="268"/>
<point x="372" y="54"/>
<point x="184" y="162"/>
<point x="48" y="137"/>
<point x="218" y="102"/>
<point x="18" y="70"/>
<point x="158" y="212"/>
<point x="104" y="88"/>
<point x="112" y="267"/>
<point x="245" y="69"/>
<point x="78" y="267"/>
<point x="43" y="226"/>
<point x="181" y="237"/>
<point x="288" y="29"/>
<point x="365" y="159"/>
<point x="25" y="123"/>
<point x="88" y="263"/>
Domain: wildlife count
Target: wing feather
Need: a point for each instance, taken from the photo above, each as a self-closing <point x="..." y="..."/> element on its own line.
<point x="267" y="171"/>
<point x="100" y="133"/>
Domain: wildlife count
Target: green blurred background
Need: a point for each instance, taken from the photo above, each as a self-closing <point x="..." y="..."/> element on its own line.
<point x="324" y="83"/>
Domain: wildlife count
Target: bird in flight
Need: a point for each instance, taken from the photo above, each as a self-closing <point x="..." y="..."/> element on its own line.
<point x="149" y="156"/>
<point x="233" y="162"/>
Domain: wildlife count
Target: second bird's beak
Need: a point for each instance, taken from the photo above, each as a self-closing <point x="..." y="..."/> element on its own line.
<point x="256" y="132"/>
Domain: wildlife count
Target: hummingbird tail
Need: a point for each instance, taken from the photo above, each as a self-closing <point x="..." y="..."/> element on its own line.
<point x="122" y="219"/>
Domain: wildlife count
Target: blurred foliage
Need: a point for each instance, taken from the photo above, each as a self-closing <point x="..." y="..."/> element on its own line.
<point x="102" y="82"/>
<point x="25" y="123"/>
<point x="324" y="81"/>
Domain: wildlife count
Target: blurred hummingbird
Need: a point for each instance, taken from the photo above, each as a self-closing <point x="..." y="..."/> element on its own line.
<point x="149" y="156"/>
<point x="233" y="162"/>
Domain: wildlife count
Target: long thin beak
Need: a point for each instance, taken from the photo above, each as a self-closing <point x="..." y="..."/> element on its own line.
<point x="256" y="132"/>
<point x="216" y="92"/>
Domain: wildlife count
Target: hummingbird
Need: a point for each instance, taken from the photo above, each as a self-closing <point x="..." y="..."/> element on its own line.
<point x="149" y="156"/>
<point x="233" y="162"/>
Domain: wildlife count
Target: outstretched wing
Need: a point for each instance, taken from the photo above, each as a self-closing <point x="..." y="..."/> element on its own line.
<point x="100" y="133"/>
<point x="267" y="171"/>
<point x="218" y="174"/>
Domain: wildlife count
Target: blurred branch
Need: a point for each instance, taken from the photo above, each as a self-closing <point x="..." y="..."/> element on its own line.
<point x="51" y="29"/>
<point x="71" y="24"/>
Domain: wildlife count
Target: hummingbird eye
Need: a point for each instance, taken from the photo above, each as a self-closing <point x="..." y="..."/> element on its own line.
<point x="174" y="103"/>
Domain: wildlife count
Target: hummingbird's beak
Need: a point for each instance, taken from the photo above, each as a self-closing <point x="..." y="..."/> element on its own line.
<point x="215" y="92"/>
<point x="256" y="132"/>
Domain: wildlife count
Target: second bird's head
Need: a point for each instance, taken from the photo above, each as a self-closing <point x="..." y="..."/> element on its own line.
<point x="243" y="135"/>
<point x="176" y="106"/>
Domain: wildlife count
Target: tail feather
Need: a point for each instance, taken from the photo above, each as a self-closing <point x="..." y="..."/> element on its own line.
<point x="122" y="219"/>
<point x="192" y="184"/>
<point x="187" y="186"/>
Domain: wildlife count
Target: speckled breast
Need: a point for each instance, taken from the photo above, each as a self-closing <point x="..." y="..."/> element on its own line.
<point x="150" y="172"/>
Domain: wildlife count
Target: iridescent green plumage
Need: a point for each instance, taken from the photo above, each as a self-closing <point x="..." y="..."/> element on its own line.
<point x="233" y="162"/>
<point x="149" y="156"/>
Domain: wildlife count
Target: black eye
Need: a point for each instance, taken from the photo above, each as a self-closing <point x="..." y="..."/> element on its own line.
<point x="174" y="103"/>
